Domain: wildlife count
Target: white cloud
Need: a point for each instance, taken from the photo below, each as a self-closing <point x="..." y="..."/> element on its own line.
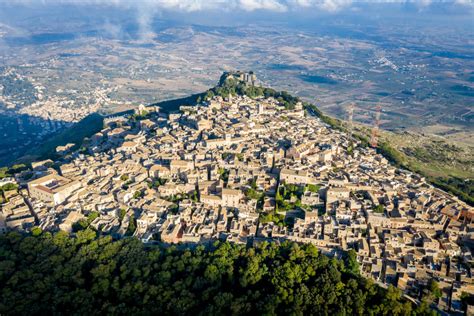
<point x="469" y="3"/>
<point x="229" y="5"/>
<point x="247" y="5"/>
<point x="270" y="5"/>
<point x="146" y="10"/>
<point x="334" y="5"/>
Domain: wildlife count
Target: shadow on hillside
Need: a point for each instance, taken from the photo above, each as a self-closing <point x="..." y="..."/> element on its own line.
<point x="23" y="135"/>
<point x="26" y="138"/>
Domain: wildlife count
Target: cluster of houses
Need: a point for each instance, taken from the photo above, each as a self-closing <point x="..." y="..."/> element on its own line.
<point x="250" y="170"/>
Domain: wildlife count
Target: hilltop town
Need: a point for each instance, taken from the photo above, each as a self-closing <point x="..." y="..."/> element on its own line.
<point x="246" y="170"/>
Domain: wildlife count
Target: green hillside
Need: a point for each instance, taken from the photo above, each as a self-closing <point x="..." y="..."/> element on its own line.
<point x="89" y="275"/>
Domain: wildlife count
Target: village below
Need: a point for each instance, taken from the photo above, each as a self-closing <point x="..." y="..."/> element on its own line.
<point x="248" y="165"/>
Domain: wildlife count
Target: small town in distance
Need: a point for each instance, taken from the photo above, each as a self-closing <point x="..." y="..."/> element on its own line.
<point x="247" y="170"/>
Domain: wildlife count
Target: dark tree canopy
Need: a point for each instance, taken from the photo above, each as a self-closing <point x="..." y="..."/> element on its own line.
<point x="57" y="274"/>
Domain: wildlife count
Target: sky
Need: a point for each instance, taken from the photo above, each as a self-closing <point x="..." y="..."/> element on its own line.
<point x="243" y="5"/>
<point x="232" y="12"/>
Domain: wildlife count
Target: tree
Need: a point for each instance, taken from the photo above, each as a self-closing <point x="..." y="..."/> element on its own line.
<point x="132" y="226"/>
<point x="92" y="216"/>
<point x="278" y="197"/>
<point x="194" y="196"/>
<point x="92" y="274"/>
<point x="36" y="231"/>
<point x="8" y="187"/>
<point x="466" y="299"/>
<point x="379" y="208"/>
<point x="224" y="174"/>
<point x="313" y="188"/>
<point x="424" y="308"/>
<point x="253" y="183"/>
<point x="352" y="265"/>
<point x="80" y="225"/>
<point x="433" y="288"/>
<point x="122" y="213"/>
<point x="138" y="194"/>
<point x="350" y="149"/>
<point x="253" y="194"/>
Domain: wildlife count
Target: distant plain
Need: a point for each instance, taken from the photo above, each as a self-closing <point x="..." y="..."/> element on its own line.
<point x="421" y="72"/>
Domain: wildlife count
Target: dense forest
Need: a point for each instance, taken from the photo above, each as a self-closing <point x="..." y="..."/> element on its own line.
<point x="46" y="273"/>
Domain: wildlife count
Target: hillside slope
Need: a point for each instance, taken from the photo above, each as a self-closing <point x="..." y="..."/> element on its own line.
<point x="445" y="164"/>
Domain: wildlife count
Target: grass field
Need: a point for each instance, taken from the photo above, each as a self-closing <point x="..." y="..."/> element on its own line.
<point x="446" y="164"/>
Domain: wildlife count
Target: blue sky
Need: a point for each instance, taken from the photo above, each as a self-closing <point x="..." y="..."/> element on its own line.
<point x="244" y="5"/>
<point x="240" y="12"/>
